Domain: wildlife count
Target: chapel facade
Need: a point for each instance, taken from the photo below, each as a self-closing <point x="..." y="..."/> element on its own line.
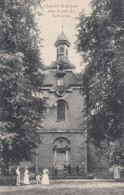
<point x="63" y="135"/>
<point x="62" y="130"/>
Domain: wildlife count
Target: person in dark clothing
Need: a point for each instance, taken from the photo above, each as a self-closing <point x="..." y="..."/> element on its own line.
<point x="69" y="168"/>
<point x="55" y="169"/>
<point x="65" y="165"/>
<point x="77" y="170"/>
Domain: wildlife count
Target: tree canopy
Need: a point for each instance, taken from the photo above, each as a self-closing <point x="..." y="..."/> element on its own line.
<point x="21" y="109"/>
<point x="100" y="40"/>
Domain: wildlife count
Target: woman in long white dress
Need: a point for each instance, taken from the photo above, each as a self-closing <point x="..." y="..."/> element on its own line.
<point x="26" y="176"/>
<point x="117" y="172"/>
<point x="18" y="176"/>
<point x="45" y="176"/>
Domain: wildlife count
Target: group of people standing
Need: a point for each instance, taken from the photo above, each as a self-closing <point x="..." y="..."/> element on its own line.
<point x="67" y="166"/>
<point x="42" y="180"/>
<point x="26" y="176"/>
<point x="116" y="169"/>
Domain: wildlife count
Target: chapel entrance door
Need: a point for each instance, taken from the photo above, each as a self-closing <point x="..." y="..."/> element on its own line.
<point x="60" y="158"/>
<point x="61" y="152"/>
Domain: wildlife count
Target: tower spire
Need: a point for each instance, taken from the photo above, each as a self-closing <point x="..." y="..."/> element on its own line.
<point x="62" y="26"/>
<point x="62" y="44"/>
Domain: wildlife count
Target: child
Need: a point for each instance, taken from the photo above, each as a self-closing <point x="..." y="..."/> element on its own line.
<point x="38" y="179"/>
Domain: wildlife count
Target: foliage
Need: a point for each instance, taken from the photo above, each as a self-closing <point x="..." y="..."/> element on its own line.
<point x="100" y="40"/>
<point x="21" y="108"/>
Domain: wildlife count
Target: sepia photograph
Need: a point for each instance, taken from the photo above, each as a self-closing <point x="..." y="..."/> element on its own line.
<point x="61" y="97"/>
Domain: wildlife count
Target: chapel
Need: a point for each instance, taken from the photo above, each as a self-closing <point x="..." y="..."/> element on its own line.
<point x="62" y="130"/>
<point x="63" y="135"/>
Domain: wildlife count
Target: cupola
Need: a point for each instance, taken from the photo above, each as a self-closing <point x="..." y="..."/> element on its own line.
<point x="62" y="44"/>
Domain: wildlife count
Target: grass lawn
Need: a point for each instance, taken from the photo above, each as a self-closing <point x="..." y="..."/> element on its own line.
<point x="68" y="188"/>
<point x="66" y="191"/>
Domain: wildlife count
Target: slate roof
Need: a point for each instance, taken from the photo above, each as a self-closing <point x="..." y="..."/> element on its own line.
<point x="61" y="60"/>
<point x="62" y="37"/>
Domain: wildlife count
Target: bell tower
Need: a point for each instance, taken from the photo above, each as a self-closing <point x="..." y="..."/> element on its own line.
<point x="62" y="44"/>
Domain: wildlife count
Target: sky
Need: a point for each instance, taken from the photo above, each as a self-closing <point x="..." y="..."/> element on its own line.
<point x="51" y="27"/>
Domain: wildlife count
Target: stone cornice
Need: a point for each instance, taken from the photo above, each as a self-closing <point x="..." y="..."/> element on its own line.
<point x="61" y="131"/>
<point x="50" y="88"/>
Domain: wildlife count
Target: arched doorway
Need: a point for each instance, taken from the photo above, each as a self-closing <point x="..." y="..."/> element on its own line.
<point x="61" y="152"/>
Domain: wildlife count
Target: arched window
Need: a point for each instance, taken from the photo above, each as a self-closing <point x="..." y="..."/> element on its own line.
<point x="61" y="110"/>
<point x="61" y="50"/>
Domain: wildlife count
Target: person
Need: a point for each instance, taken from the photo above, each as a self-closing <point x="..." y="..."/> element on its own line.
<point x="18" y="176"/>
<point x="69" y="168"/>
<point x="26" y="176"/>
<point x="77" y="169"/>
<point x="45" y="176"/>
<point x="117" y="172"/>
<point x="65" y="165"/>
<point x="38" y="178"/>
<point x="55" y="169"/>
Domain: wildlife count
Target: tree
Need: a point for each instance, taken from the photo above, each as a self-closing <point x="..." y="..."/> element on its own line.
<point x="22" y="110"/>
<point x="100" y="40"/>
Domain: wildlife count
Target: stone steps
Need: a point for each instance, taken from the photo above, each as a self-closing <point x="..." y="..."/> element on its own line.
<point x="66" y="176"/>
<point x="70" y="177"/>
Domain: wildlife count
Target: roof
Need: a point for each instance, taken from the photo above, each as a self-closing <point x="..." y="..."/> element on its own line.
<point x="62" y="60"/>
<point x="62" y="38"/>
<point x="73" y="80"/>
